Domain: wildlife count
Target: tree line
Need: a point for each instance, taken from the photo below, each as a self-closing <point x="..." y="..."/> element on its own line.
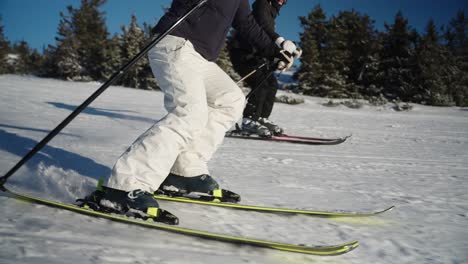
<point x="83" y="50"/>
<point x="344" y="56"/>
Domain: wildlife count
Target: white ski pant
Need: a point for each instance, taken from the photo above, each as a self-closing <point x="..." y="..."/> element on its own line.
<point x="202" y="101"/>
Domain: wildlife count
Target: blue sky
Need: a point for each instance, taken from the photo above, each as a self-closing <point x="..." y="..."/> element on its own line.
<point x="36" y="21"/>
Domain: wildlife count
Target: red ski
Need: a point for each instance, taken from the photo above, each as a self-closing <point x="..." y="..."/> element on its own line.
<point x="288" y="138"/>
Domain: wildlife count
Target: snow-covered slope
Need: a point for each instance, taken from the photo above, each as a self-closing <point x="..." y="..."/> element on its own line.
<point x="416" y="160"/>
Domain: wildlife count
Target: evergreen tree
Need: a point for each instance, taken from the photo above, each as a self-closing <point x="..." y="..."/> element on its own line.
<point x="336" y="54"/>
<point x="24" y="60"/>
<point x="434" y="69"/>
<point x="113" y="55"/>
<point x="398" y="60"/>
<point x="370" y="72"/>
<point x="310" y="73"/>
<point x="147" y="78"/>
<point x="336" y="58"/>
<point x="457" y="41"/>
<point x="91" y="33"/>
<point x="4" y="50"/>
<point x="361" y="44"/>
<point x="65" y="55"/>
<point x="350" y="47"/>
<point x="133" y="39"/>
<point x="49" y="66"/>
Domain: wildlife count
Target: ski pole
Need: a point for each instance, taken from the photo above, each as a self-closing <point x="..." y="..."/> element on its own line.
<point x="252" y="91"/>
<point x="252" y="72"/>
<point x="297" y="54"/>
<point x="98" y="92"/>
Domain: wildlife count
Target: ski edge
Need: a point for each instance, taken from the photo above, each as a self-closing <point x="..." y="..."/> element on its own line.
<point x="328" y="250"/>
<point x="291" y="139"/>
<point x="317" y="138"/>
<point x="273" y="209"/>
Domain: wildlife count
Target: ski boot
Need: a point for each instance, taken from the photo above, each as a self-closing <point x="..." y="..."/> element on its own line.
<point x="202" y="187"/>
<point x="272" y="127"/>
<point x="250" y="126"/>
<point x="136" y="203"/>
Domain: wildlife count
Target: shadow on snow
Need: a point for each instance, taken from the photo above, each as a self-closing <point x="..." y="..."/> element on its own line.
<point x="110" y="113"/>
<point x="37" y="130"/>
<point x="51" y="156"/>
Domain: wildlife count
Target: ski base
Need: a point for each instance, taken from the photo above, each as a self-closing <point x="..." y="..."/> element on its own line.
<point x="330" y="250"/>
<point x="214" y="202"/>
<point x="288" y="138"/>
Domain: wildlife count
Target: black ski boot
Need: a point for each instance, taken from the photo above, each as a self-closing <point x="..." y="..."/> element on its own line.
<point x="136" y="203"/>
<point x="274" y="128"/>
<point x="251" y="126"/>
<point x="185" y="185"/>
<point x="202" y="187"/>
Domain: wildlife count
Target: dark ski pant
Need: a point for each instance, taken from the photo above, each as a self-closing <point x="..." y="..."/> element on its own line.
<point x="260" y="104"/>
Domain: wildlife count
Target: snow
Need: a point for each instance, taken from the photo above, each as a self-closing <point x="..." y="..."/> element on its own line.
<point x="416" y="160"/>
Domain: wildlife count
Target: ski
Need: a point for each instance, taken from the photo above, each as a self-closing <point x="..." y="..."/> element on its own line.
<point x="213" y="200"/>
<point x="288" y="138"/>
<point x="329" y="250"/>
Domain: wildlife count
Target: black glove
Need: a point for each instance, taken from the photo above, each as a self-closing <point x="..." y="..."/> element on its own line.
<point x="283" y="60"/>
<point x="280" y="59"/>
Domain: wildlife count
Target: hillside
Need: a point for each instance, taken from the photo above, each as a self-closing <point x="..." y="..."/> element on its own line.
<point x="416" y="160"/>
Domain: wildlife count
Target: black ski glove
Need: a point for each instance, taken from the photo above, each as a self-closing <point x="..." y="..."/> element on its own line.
<point x="283" y="60"/>
<point x="280" y="59"/>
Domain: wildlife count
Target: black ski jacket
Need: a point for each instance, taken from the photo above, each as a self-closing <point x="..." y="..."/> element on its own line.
<point x="264" y="14"/>
<point x="207" y="27"/>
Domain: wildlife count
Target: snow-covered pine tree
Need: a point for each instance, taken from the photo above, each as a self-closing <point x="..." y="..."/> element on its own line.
<point x="112" y="53"/>
<point x="457" y="40"/>
<point x="398" y="60"/>
<point x="310" y="73"/>
<point x="132" y="40"/>
<point x="4" y="50"/>
<point x="370" y="74"/>
<point x="27" y="60"/>
<point x="146" y="75"/>
<point x="90" y="30"/>
<point x="340" y="55"/>
<point x="434" y="73"/>
<point x="362" y="46"/>
<point x="65" y="55"/>
<point x="350" y="46"/>
<point x="336" y="59"/>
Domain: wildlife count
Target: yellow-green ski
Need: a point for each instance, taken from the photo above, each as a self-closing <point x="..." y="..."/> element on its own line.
<point x="271" y="209"/>
<point x="312" y="250"/>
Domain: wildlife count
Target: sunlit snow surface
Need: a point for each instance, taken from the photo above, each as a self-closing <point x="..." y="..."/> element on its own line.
<point x="416" y="160"/>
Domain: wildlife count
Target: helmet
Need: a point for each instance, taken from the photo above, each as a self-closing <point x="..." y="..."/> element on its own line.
<point x="278" y="3"/>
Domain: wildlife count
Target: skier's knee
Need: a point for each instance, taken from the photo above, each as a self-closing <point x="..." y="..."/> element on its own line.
<point x="198" y="118"/>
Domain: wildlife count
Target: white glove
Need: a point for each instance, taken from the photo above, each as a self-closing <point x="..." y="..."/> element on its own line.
<point x="286" y="45"/>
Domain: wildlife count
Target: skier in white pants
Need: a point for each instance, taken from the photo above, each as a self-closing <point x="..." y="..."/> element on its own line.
<point x="202" y="104"/>
<point x="202" y="101"/>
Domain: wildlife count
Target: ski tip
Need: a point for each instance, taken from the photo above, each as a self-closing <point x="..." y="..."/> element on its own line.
<point x="386" y="210"/>
<point x="346" y="137"/>
<point x="167" y="217"/>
